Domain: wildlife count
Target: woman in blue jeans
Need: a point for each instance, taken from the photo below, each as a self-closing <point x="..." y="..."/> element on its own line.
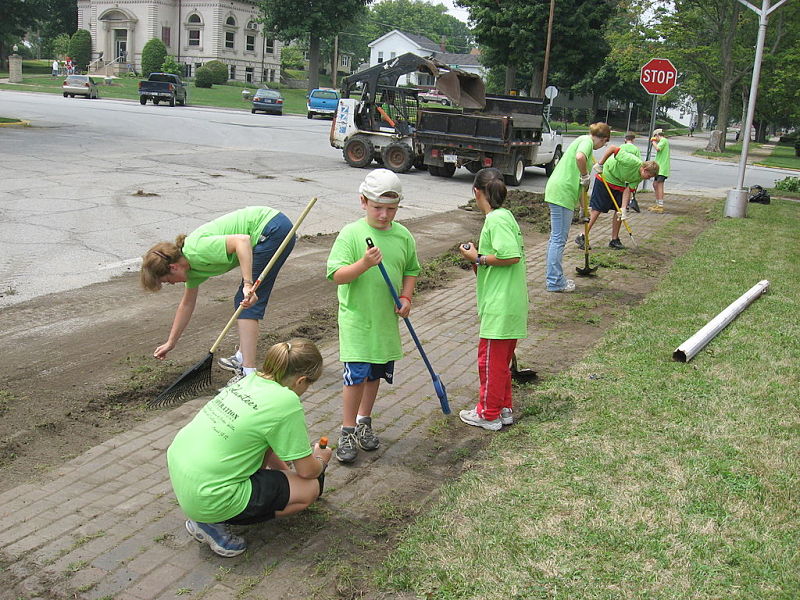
<point x="246" y="238"/>
<point x="562" y="194"/>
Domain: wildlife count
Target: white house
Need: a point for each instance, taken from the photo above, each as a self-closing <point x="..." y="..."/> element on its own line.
<point x="398" y="42"/>
<point x="194" y="31"/>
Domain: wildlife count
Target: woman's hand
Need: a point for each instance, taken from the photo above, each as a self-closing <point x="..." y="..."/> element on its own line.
<point x="250" y="297"/>
<point x="469" y="251"/>
<point x="161" y="352"/>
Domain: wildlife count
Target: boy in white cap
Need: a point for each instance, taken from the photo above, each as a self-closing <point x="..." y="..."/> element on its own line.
<point x="369" y="331"/>
<point x="661" y="146"/>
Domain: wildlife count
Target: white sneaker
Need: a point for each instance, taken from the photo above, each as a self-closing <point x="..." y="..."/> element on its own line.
<point x="470" y="417"/>
<point x="506" y="416"/>
<point x="230" y="363"/>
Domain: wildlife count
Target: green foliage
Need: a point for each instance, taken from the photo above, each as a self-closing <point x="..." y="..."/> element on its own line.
<point x="203" y="77"/>
<point x="291" y="58"/>
<point x="219" y="71"/>
<point x="59" y="46"/>
<point x="170" y="65"/>
<point x="80" y="49"/>
<point x="789" y="184"/>
<point x="153" y="55"/>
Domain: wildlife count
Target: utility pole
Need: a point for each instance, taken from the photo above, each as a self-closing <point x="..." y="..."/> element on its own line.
<point x="547" y="45"/>
<point x="335" y="70"/>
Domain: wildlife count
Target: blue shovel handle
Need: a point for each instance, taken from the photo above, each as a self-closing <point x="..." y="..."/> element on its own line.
<point x="437" y="382"/>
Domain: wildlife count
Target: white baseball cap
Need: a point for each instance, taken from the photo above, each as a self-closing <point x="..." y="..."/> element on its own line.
<point x="658" y="132"/>
<point x="379" y="183"/>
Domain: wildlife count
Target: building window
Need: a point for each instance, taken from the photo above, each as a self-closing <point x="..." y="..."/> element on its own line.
<point x="344" y="60"/>
<point x="380" y="57"/>
<point x="194" y="37"/>
<point x="230" y="22"/>
<point x="229" y="39"/>
<point x="248" y="74"/>
<point x="232" y="72"/>
<point x="230" y="34"/>
<point x="269" y="46"/>
<point x="194" y="18"/>
<point x="194" y="26"/>
<point x="165" y="35"/>
<point x="392" y="55"/>
<point x="250" y="43"/>
<point x="187" y="70"/>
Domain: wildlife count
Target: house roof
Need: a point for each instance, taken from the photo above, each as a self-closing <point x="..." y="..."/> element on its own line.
<point x="419" y="40"/>
<point x="425" y="43"/>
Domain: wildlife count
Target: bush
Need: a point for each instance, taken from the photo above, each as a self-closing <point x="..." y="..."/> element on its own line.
<point x="170" y="65"/>
<point x="789" y="184"/>
<point x="204" y="77"/>
<point x="219" y="71"/>
<point x="80" y="49"/>
<point x="291" y="58"/>
<point x="153" y="55"/>
<point x="60" y="46"/>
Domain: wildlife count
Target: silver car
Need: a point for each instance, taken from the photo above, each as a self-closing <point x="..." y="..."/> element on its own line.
<point x="79" y="85"/>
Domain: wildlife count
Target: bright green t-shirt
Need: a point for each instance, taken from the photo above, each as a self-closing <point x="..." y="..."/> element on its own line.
<point x="563" y="186"/>
<point x="205" y="250"/>
<point x="631" y="148"/>
<point x="502" y="291"/>
<point x="368" y="326"/>
<point x="212" y="458"/>
<point x="662" y="157"/>
<point x="622" y="169"/>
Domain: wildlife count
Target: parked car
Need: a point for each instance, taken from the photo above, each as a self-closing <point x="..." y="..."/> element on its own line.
<point x="268" y="101"/>
<point x="435" y="97"/>
<point x="79" y="85"/>
<point x="163" y="87"/>
<point x="322" y="101"/>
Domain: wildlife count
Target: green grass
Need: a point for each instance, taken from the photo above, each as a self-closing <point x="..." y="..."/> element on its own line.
<point x="782" y="156"/>
<point x="633" y="476"/>
<point x="223" y="96"/>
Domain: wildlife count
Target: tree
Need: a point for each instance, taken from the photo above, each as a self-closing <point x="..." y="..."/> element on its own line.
<point x="15" y="18"/>
<point x="219" y="71"/>
<point x="309" y="19"/>
<point x="59" y="46"/>
<point x="153" y="55"/>
<point x="291" y="58"/>
<point x="170" y="65"/>
<point x="80" y="49"/>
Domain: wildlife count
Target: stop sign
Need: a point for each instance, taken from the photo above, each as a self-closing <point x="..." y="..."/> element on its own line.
<point x="659" y="76"/>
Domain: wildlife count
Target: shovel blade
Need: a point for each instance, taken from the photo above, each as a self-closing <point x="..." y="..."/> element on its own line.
<point x="441" y="392"/>
<point x="585" y="271"/>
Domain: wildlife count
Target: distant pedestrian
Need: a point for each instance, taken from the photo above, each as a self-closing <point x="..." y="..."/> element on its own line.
<point x="661" y="146"/>
<point x="502" y="291"/>
<point x="691" y="130"/>
<point x="622" y="171"/>
<point x="228" y="465"/>
<point x="55" y="68"/>
<point x="69" y="67"/>
<point x="369" y="331"/>
<point x="562" y="194"/>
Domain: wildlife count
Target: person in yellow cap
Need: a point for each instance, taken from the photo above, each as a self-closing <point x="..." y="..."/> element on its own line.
<point x="661" y="146"/>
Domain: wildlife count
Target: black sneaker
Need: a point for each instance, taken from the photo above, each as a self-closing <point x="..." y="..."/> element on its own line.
<point x="616" y="244"/>
<point x="634" y="205"/>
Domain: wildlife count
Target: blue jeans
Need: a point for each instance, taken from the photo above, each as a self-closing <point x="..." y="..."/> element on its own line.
<point x="560" y="220"/>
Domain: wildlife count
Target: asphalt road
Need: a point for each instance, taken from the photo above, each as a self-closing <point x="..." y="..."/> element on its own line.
<point x="93" y="183"/>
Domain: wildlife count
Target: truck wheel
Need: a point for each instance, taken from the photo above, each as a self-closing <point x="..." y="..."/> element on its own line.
<point x="142" y="100"/>
<point x="397" y="157"/>
<point x="473" y="166"/>
<point x="358" y="151"/>
<point x="172" y="100"/>
<point x="515" y="177"/>
<point x="447" y="170"/>
<point x="419" y="164"/>
<point x="156" y="101"/>
<point x="310" y="115"/>
<point x="551" y="166"/>
<point x="434" y="170"/>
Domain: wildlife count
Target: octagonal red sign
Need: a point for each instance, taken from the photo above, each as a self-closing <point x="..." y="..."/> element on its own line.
<point x="658" y="76"/>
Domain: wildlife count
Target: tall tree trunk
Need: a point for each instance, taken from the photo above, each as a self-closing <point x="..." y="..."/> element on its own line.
<point x="511" y="78"/>
<point x="723" y="113"/>
<point x="727" y="35"/>
<point x="313" y="62"/>
<point x="536" y="83"/>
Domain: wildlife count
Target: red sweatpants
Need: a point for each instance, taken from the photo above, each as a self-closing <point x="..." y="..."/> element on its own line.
<point x="494" y="370"/>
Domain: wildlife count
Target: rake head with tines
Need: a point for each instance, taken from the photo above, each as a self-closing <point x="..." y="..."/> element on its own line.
<point x="190" y="384"/>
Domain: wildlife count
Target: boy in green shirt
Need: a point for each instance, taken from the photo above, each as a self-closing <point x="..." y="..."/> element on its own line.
<point x="369" y="332"/>
<point x="629" y="146"/>
<point x="661" y="146"/>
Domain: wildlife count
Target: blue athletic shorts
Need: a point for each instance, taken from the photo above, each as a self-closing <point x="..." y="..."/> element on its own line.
<point x="601" y="202"/>
<point x="271" y="237"/>
<point x="359" y="372"/>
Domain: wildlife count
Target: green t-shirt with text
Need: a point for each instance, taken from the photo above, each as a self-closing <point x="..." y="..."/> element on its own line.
<point x="368" y="326"/>
<point x="502" y="291"/>
<point x="622" y="169"/>
<point x="211" y="459"/>
<point x="662" y="157"/>
<point x="563" y="186"/>
<point x="205" y="250"/>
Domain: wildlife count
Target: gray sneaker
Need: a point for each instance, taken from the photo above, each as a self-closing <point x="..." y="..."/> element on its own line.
<point x="236" y="378"/>
<point x="230" y="363"/>
<point x="470" y="417"/>
<point x="347" y="448"/>
<point x="364" y="436"/>
<point x="506" y="416"/>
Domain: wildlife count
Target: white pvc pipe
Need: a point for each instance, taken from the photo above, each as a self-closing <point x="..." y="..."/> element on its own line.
<point x="687" y="350"/>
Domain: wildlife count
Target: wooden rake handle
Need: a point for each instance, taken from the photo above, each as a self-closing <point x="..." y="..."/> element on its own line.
<point x="266" y="270"/>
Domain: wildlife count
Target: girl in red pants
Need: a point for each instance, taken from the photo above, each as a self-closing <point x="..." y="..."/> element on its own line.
<point x="502" y="292"/>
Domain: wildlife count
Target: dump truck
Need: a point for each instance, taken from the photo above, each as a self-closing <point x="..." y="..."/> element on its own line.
<point x="378" y="120"/>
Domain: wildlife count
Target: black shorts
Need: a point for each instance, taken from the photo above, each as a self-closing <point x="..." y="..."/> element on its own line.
<point x="270" y="493"/>
<point x="660" y="178"/>
<point x="601" y="202"/>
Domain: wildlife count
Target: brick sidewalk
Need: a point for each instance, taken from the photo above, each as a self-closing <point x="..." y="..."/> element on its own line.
<point x="107" y="524"/>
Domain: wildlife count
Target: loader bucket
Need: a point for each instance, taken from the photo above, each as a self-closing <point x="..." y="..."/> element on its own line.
<point x="465" y="89"/>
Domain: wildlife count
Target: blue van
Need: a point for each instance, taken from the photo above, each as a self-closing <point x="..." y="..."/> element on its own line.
<point x="322" y="101"/>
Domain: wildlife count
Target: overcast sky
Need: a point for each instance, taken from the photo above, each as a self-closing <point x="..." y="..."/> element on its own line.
<point x="456" y="11"/>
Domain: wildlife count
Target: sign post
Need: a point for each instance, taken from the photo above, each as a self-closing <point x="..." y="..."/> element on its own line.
<point x="657" y="77"/>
